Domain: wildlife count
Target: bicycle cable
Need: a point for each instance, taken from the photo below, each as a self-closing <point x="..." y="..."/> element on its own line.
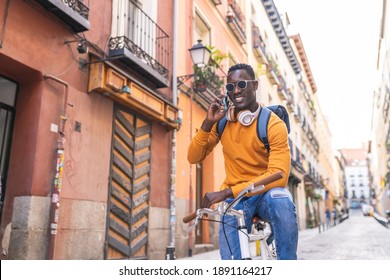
<point x="223" y="222"/>
<point x="230" y="225"/>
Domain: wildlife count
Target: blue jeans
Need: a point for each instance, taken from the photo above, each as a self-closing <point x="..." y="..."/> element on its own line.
<point x="277" y="208"/>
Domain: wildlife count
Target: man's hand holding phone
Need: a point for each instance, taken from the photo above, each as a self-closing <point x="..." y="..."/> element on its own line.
<point x="216" y="112"/>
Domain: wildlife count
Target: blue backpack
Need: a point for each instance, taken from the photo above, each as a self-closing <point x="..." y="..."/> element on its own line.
<point x="262" y="122"/>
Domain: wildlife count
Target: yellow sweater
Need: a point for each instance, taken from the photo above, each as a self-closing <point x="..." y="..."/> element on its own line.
<point x="246" y="158"/>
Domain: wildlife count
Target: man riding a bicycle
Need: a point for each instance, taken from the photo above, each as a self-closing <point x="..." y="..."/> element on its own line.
<point x="247" y="161"/>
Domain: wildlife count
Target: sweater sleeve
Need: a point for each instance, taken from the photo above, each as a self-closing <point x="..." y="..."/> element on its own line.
<point x="202" y="144"/>
<point x="278" y="160"/>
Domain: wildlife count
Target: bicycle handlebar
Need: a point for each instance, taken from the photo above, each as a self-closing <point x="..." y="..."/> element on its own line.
<point x="190" y="217"/>
<point x="264" y="181"/>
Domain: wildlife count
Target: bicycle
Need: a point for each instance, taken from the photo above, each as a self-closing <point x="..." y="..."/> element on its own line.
<point x="260" y="230"/>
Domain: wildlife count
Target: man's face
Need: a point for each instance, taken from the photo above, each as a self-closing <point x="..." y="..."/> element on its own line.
<point x="243" y="98"/>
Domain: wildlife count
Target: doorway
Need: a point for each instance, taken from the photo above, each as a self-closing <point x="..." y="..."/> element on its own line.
<point x="199" y="196"/>
<point x="8" y="90"/>
<point x="128" y="211"/>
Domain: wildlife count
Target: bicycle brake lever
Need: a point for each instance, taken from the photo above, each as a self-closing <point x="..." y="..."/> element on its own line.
<point x="191" y="227"/>
<point x="195" y="222"/>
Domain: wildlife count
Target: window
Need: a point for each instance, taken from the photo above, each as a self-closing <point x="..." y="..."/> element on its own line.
<point x="202" y="30"/>
<point x="232" y="59"/>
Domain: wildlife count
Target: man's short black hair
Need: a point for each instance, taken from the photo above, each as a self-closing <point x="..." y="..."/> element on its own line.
<point x="243" y="66"/>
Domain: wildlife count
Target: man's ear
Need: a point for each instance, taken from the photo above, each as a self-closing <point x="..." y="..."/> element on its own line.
<point x="256" y="84"/>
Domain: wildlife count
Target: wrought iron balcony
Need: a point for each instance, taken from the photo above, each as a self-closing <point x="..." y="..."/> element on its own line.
<point x="298" y="165"/>
<point x="282" y="88"/>
<point x="144" y="47"/>
<point x="290" y="101"/>
<point x="74" y="13"/>
<point x="387" y="141"/>
<point x="236" y="21"/>
<point x="272" y="70"/>
<point x="297" y="113"/>
<point x="207" y="84"/>
<point x="312" y="138"/>
<point x="258" y="44"/>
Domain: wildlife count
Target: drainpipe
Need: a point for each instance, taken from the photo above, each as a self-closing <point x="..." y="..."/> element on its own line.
<point x="191" y="197"/>
<point x="170" y="250"/>
<point x="2" y="36"/>
<point x="56" y="191"/>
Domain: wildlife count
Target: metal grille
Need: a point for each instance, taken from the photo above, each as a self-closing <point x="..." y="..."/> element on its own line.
<point x="127" y="232"/>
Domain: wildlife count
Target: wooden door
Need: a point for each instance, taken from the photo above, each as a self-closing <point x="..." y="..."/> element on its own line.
<point x="127" y="224"/>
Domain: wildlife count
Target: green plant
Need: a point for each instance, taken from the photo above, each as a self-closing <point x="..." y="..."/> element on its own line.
<point x="216" y="56"/>
<point x="317" y="196"/>
<point x="206" y="76"/>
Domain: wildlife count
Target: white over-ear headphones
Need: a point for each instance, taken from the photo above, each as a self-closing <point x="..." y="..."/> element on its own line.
<point x="245" y="117"/>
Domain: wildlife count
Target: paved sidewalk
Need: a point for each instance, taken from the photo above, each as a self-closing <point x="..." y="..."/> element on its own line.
<point x="214" y="255"/>
<point x="357" y="238"/>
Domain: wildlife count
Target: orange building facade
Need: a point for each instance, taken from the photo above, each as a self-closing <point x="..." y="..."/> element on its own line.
<point x="88" y="123"/>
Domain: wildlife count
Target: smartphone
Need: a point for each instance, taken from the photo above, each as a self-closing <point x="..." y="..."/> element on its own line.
<point x="226" y="102"/>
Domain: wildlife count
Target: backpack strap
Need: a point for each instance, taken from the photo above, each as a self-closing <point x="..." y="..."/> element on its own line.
<point x="282" y="113"/>
<point x="262" y="126"/>
<point x="262" y="123"/>
<point x="221" y="126"/>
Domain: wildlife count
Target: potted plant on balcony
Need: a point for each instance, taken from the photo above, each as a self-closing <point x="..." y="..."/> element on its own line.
<point x="207" y="76"/>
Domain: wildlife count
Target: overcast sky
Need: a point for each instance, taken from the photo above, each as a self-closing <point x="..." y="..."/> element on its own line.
<point x="341" y="39"/>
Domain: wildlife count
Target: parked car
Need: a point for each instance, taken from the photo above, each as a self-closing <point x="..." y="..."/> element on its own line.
<point x="367" y="210"/>
<point x="355" y="205"/>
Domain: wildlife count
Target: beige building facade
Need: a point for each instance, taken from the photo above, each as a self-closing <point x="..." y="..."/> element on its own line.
<point x="252" y="32"/>
<point x="379" y="148"/>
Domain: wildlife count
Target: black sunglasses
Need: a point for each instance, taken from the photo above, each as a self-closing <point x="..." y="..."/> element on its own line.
<point x="241" y="85"/>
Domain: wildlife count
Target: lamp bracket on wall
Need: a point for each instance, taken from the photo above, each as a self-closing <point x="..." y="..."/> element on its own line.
<point x="81" y="46"/>
<point x="83" y="63"/>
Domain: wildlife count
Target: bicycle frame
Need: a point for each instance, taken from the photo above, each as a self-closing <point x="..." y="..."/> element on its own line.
<point x="228" y="209"/>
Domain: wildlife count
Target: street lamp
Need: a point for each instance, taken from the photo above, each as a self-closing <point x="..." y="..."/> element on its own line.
<point x="200" y="55"/>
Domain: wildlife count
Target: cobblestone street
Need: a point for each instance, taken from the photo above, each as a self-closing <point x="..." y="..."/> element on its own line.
<point x="357" y="238"/>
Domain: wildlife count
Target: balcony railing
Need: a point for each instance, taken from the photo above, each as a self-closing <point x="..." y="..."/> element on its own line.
<point x="290" y="101"/>
<point x="236" y="21"/>
<point x="297" y="113"/>
<point x="145" y="46"/>
<point x="74" y="13"/>
<point x="282" y="88"/>
<point x="258" y="44"/>
<point x="272" y="70"/>
<point x="207" y="83"/>
<point x="387" y="141"/>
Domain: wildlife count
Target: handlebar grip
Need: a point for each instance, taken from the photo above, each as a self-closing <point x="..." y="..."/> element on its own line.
<point x="269" y="179"/>
<point x="189" y="217"/>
